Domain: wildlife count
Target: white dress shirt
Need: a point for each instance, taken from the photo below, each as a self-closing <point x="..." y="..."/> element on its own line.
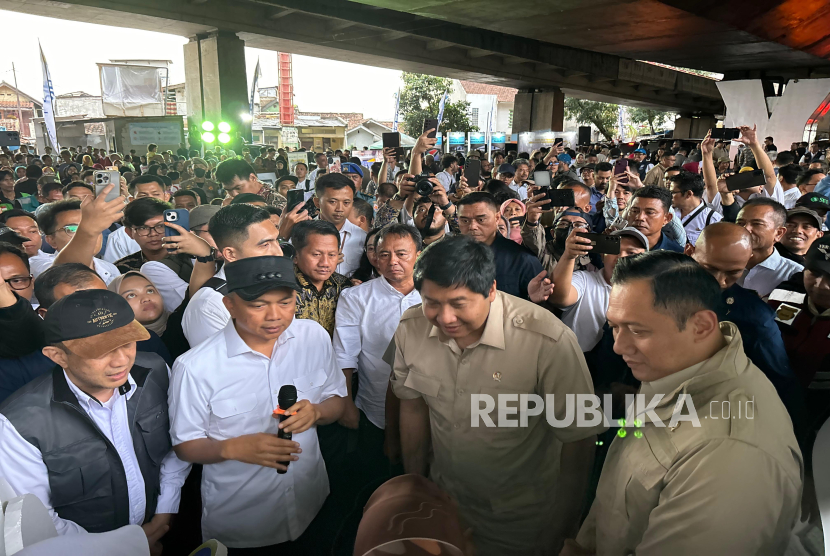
<point x="223" y="389"/>
<point x="205" y="314"/>
<point x="365" y="322"/>
<point x="791" y="196"/>
<point x="446" y="179"/>
<point x="766" y="275"/>
<point x="520" y="189"/>
<point x="586" y="317"/>
<point x="777" y="195"/>
<point x="170" y="286"/>
<point x="119" y="245"/>
<point x="352" y="239"/>
<point x="695" y="221"/>
<point x="21" y="463"/>
<point x="107" y="271"/>
<point x="312" y="177"/>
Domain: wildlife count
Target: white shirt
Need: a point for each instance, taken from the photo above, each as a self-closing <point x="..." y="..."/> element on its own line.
<point x="519" y="188"/>
<point x="366" y="319"/>
<point x="106" y="270"/>
<point x="170" y="286"/>
<point x="205" y="314"/>
<point x="308" y="186"/>
<point x="766" y="275"/>
<point x="695" y="221"/>
<point x="791" y="196"/>
<point x="21" y="463"/>
<point x="352" y="239"/>
<point x="119" y="245"/>
<point x="223" y="389"/>
<point x="715" y="202"/>
<point x="313" y="176"/>
<point x="446" y="179"/>
<point x="586" y="317"/>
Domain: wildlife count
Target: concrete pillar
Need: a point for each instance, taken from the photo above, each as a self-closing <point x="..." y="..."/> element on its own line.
<point x="216" y="83"/>
<point x="784" y="117"/>
<point x="539" y="111"/>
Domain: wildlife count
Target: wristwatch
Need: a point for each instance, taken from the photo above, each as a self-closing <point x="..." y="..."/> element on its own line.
<point x="445" y="207"/>
<point x="210" y="258"/>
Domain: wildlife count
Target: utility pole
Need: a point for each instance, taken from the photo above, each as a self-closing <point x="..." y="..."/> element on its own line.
<point x="19" y="109"/>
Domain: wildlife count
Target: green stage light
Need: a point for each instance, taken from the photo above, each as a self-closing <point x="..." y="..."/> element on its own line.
<point x="224" y="138"/>
<point x="208" y="137"/>
<point x="224" y="127"/>
<point x="207" y="126"/>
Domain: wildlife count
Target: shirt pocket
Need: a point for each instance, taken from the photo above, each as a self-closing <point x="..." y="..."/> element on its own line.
<point x="232" y="417"/>
<point x="309" y="385"/>
<point x="155" y="427"/>
<point x="78" y="473"/>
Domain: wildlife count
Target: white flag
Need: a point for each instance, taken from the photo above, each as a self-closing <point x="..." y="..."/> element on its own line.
<point x="257" y="71"/>
<point x="397" y="109"/>
<point x="49" y="104"/>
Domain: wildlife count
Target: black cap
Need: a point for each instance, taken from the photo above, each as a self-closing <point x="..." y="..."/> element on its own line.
<point x="814" y="201"/>
<point x="252" y="277"/>
<point x="818" y="255"/>
<point x="7" y="235"/>
<point x="92" y="322"/>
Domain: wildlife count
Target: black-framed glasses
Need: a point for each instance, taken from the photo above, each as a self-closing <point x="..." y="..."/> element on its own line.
<point x="20" y="282"/>
<point x="143" y="231"/>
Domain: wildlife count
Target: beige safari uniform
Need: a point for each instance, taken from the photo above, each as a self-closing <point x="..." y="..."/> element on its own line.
<point x="503" y="478"/>
<point x="656" y="176"/>
<point x="729" y="487"/>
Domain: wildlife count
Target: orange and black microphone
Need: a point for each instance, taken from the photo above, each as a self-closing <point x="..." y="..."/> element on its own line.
<point x="286" y="398"/>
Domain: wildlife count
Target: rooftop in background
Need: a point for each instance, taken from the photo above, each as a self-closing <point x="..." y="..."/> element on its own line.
<point x="503" y="94"/>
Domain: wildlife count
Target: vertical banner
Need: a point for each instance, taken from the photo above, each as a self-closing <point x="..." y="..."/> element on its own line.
<point x="49" y="104"/>
<point x="490" y="115"/>
<point x="397" y="108"/>
<point x="441" y="108"/>
<point x="253" y="87"/>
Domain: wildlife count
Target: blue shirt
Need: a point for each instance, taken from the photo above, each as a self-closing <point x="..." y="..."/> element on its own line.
<point x="515" y="266"/>
<point x="667" y="244"/>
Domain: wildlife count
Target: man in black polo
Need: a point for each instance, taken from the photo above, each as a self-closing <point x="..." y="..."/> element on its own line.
<point x="91" y="439"/>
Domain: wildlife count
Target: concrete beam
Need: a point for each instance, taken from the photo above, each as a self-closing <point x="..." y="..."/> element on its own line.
<point x="393" y="35"/>
<point x="478" y="53"/>
<point x="279" y="14"/>
<point x="432" y="46"/>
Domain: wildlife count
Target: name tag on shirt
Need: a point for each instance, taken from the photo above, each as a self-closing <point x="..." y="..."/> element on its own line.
<point x="787" y="297"/>
<point x="785" y="314"/>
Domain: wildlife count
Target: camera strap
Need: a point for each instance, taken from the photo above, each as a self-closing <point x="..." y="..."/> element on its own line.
<point x="430" y="217"/>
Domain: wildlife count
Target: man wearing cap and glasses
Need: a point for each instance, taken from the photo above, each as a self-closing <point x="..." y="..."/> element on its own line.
<point x="223" y="395"/>
<point x="91" y="439"/>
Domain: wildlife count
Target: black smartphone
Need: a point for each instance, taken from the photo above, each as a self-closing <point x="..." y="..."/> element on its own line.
<point x="294" y="197"/>
<point x="392" y="140"/>
<point x="745" y="180"/>
<point x="431" y="123"/>
<point x="472" y="171"/>
<point x="541" y="178"/>
<point x="601" y="243"/>
<point x="312" y="209"/>
<point x="558" y="141"/>
<point x="727" y="133"/>
<point x="559" y="197"/>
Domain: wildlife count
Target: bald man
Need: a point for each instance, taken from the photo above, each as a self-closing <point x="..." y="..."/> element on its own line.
<point x="724" y="249"/>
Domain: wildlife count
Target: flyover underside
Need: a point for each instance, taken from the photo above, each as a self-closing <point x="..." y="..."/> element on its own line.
<point x="350" y="32"/>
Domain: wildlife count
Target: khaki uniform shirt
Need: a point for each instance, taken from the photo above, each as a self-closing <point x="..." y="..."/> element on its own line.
<point x="729" y="487"/>
<point x="503" y="478"/>
<point x="656" y="176"/>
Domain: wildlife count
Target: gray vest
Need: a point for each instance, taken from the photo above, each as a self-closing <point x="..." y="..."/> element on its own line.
<point x="86" y="477"/>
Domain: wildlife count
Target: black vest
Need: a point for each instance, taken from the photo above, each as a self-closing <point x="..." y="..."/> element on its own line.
<point x="86" y="477"/>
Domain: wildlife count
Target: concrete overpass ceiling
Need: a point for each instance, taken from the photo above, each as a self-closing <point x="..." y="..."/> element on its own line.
<point x="711" y="35"/>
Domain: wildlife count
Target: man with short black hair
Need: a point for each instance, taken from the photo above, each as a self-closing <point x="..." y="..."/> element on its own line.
<point x="483" y="341"/>
<point x="809" y="180"/>
<point x="25" y="224"/>
<point x="61" y="222"/>
<point x="694" y="467"/>
<point x="788" y="177"/>
<point x="144" y="223"/>
<point x="657" y="175"/>
<point x="446" y="176"/>
<point x="522" y="172"/>
<point x="119" y="243"/>
<point x="518" y="272"/>
<point x="185" y="199"/>
<point x="686" y="190"/>
<point x="765" y="220"/>
<point x="237" y="176"/>
<point x="649" y="211"/>
<point x="317" y="248"/>
<point x="804" y="226"/>
<point x="363" y="214"/>
<point x="238" y="231"/>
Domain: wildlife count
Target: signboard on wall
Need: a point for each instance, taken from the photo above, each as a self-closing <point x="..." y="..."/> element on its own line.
<point x="160" y="133"/>
<point x="457" y="138"/>
<point x="289" y="136"/>
<point x="497" y="138"/>
<point x="476" y="138"/>
<point x="295" y="157"/>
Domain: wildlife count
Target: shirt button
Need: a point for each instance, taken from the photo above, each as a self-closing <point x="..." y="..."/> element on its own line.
<point x="461" y="391"/>
<point x="455" y="426"/>
<point x="518" y="320"/>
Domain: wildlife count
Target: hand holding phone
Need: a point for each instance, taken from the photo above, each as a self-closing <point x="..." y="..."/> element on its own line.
<point x="600" y="243"/>
<point x="431" y="124"/>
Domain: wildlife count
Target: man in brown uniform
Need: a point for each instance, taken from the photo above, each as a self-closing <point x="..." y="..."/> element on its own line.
<point x="520" y="487"/>
<point x="727" y="481"/>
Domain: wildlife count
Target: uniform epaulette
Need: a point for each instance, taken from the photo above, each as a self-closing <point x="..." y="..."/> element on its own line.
<point x="549" y="327"/>
<point x="413" y="312"/>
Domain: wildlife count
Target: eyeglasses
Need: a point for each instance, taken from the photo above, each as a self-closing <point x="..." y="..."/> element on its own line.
<point x="20" y="282"/>
<point x="676" y="192"/>
<point x="143" y="231"/>
<point x="69" y="230"/>
<point x="565" y="224"/>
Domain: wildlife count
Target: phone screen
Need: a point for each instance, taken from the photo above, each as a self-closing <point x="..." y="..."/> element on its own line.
<point x="294" y="198"/>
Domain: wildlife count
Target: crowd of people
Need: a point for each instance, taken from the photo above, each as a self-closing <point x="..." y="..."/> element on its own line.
<point x="144" y="361"/>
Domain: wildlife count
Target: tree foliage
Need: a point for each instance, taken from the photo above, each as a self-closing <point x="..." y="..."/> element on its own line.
<point x="651" y="118"/>
<point x="420" y="97"/>
<point x="601" y="114"/>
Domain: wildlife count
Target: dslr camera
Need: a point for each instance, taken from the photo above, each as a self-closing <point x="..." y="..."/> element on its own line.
<point x="423" y="186"/>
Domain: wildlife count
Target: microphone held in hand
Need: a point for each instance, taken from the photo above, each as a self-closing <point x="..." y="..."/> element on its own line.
<point x="286" y="398"/>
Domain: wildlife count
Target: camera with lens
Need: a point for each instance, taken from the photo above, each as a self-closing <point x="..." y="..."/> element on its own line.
<point x="423" y="186"/>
